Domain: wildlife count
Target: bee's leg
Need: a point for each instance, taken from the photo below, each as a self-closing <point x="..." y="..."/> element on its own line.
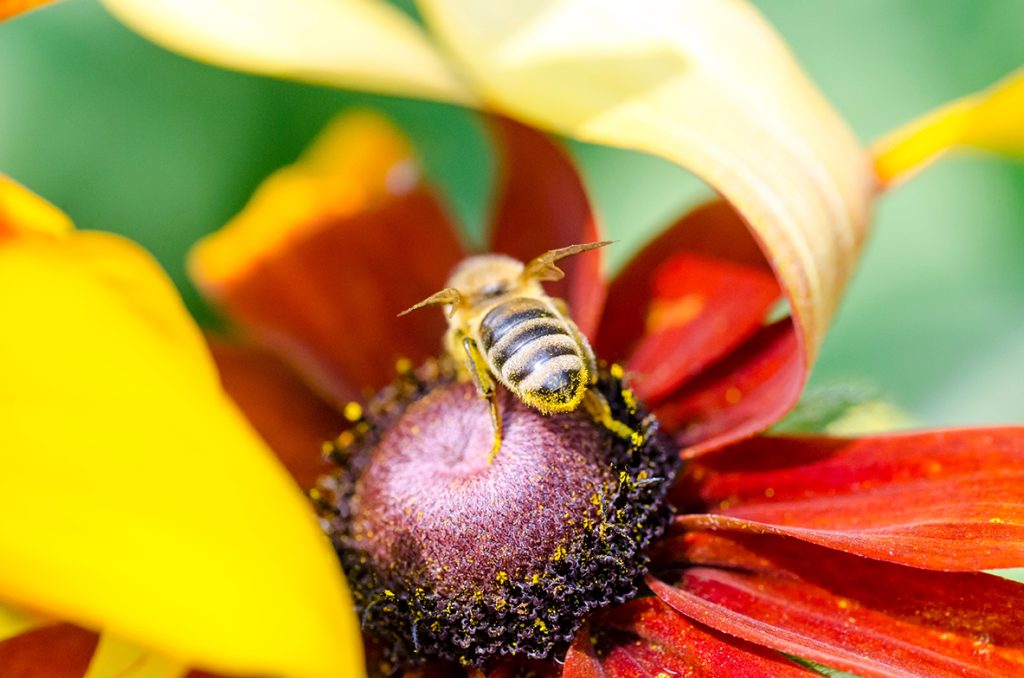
<point x="485" y="387"/>
<point x="598" y="408"/>
<point x="595" y="402"/>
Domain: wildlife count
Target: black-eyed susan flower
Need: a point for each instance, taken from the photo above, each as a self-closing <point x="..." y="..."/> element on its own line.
<point x="148" y="509"/>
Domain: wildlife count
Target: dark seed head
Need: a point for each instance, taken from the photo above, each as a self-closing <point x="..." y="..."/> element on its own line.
<point x="452" y="557"/>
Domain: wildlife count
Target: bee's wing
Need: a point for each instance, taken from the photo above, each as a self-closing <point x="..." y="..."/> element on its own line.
<point x="543" y="267"/>
<point x="447" y="296"/>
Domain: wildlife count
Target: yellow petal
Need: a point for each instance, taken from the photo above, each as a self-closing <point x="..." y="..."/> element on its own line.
<point x="14" y="622"/>
<point x="136" y="499"/>
<point x="10" y="8"/>
<point x="362" y="44"/>
<point x="706" y="84"/>
<point x="992" y="120"/>
<point x="22" y="210"/>
<point x="116" y="658"/>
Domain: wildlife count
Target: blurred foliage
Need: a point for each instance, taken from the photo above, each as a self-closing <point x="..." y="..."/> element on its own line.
<point x="129" y="138"/>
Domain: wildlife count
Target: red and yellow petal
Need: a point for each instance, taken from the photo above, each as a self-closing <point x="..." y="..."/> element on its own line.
<point x="646" y="637"/>
<point x="949" y="500"/>
<point x="848" y="612"/>
<point x="542" y="205"/>
<point x="137" y="500"/>
<point x="329" y="251"/>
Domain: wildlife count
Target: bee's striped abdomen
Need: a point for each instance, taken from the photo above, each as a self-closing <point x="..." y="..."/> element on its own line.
<point x="533" y="352"/>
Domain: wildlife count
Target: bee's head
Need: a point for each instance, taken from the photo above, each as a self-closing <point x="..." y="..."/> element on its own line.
<point x="487" y="277"/>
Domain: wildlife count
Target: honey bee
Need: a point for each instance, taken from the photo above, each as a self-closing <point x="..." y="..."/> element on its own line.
<point x="503" y="327"/>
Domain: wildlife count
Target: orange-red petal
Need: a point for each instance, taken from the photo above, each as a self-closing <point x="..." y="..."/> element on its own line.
<point x="59" y="651"/>
<point x="848" y="612"/>
<point x="326" y="254"/>
<point x="950" y="500"/>
<point x="700" y="310"/>
<point x="541" y="206"/>
<point x="288" y="415"/>
<point x="738" y="396"/>
<point x="653" y="639"/>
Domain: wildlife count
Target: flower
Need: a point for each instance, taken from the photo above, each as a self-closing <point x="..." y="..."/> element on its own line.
<point x="785" y="544"/>
<point x="710" y="367"/>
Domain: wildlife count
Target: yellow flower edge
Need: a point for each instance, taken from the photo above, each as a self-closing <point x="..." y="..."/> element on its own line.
<point x="137" y="500"/>
<point x="992" y="120"/>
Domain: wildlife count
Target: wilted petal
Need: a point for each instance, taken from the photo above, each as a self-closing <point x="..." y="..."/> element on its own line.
<point x="667" y="78"/>
<point x="847" y="612"/>
<point x="950" y="500"/>
<point x="284" y="411"/>
<point x="120" y="448"/>
<point x="738" y="396"/>
<point x="60" y="651"/>
<point x="541" y="205"/>
<point x="992" y="120"/>
<point x="655" y="638"/>
<point x="362" y="44"/>
<point x="329" y="251"/>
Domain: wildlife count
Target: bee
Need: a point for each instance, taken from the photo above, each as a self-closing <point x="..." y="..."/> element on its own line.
<point x="503" y="328"/>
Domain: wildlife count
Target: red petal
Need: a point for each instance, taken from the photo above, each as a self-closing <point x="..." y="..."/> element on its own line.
<point x="740" y="395"/>
<point x="581" y="660"/>
<point x="851" y="613"/>
<point x="713" y="232"/>
<point x="329" y="251"/>
<point x="61" y="651"/>
<point x="951" y="500"/>
<point x="282" y="409"/>
<point x="662" y="640"/>
<point x="701" y="309"/>
<point x="541" y="206"/>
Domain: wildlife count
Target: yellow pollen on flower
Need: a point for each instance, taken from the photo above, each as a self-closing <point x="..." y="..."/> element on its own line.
<point x="995" y="520"/>
<point x="616" y="371"/>
<point x="353" y="411"/>
<point x="733" y="395"/>
<point x="403" y="366"/>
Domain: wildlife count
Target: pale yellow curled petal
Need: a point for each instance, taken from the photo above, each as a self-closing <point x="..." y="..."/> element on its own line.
<point x="136" y="499"/>
<point x="706" y="84"/>
<point x="14" y="622"/>
<point x="115" y="658"/>
<point x="992" y="120"/>
<point x="361" y="44"/>
<point x="10" y="8"/>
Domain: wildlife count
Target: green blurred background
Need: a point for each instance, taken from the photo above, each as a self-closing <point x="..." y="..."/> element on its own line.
<point x="129" y="138"/>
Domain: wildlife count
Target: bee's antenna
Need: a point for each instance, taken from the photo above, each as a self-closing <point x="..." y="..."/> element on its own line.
<point x="448" y="295"/>
<point x="543" y="267"/>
